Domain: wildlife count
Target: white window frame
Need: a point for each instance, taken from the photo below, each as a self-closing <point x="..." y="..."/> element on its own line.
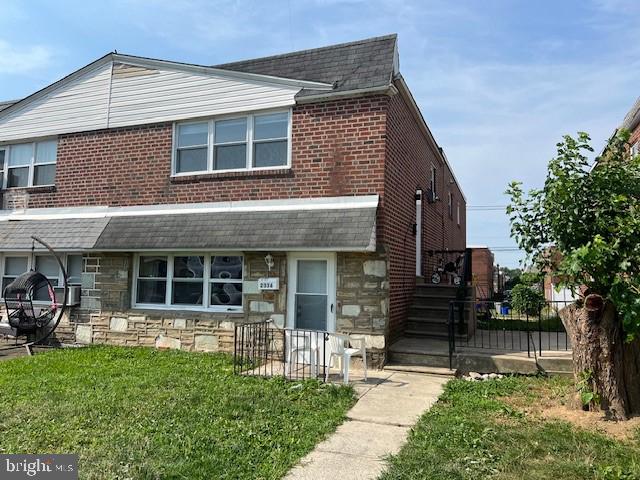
<point x="458" y="212"/>
<point x="450" y="204"/>
<point x="635" y="149"/>
<point x="249" y="141"/>
<point x="206" y="280"/>
<point x="31" y="259"/>
<point x="31" y="166"/>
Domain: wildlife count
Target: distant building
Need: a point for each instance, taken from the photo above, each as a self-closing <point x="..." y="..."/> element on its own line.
<point x="482" y="271"/>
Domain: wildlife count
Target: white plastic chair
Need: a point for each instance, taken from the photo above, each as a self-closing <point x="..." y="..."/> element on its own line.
<point x="338" y="348"/>
<point x="297" y="343"/>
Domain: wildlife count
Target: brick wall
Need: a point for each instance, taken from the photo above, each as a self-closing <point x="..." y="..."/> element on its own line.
<point x="410" y="155"/>
<point x="338" y="148"/>
<point x="482" y="271"/>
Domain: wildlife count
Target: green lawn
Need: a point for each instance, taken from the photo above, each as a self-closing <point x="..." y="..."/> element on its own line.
<point x="475" y="432"/>
<point x="145" y="414"/>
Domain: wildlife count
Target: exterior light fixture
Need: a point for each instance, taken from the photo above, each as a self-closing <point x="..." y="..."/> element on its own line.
<point x="268" y="259"/>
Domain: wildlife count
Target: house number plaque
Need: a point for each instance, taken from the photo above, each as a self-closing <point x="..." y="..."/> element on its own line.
<point x="269" y="283"/>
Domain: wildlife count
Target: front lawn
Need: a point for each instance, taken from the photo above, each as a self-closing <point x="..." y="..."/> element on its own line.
<point x="497" y="430"/>
<point x="145" y="414"/>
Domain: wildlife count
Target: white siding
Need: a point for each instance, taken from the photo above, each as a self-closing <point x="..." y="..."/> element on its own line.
<point x="78" y="105"/>
<point x="134" y="95"/>
<point x="163" y="95"/>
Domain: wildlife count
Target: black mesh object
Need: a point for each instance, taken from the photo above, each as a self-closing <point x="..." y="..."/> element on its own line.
<point x="18" y="298"/>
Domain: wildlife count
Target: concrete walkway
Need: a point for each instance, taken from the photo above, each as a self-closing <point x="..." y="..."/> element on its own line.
<point x="389" y="404"/>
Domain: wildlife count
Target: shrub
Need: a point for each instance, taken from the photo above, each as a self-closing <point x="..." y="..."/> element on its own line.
<point x="527" y="299"/>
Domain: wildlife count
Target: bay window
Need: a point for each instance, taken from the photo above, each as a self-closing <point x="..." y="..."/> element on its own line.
<point x="182" y="281"/>
<point x="30" y="164"/>
<point x="247" y="142"/>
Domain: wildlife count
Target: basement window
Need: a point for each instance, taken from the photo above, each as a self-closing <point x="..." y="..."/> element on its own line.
<point x="233" y="144"/>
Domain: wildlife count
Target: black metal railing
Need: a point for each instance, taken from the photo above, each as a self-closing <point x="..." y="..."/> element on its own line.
<point x="497" y="326"/>
<point x="262" y="349"/>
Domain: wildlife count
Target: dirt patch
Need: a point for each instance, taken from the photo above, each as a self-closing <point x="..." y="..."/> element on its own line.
<point x="550" y="405"/>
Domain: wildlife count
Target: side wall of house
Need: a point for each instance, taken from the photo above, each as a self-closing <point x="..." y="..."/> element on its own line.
<point x="410" y="155"/>
<point x="338" y="148"/>
<point x="482" y="271"/>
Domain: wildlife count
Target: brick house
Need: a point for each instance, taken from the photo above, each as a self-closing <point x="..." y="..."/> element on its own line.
<point x="483" y="271"/>
<point x="171" y="189"/>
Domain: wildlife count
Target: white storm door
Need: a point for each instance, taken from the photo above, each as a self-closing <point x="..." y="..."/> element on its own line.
<point x="311" y="302"/>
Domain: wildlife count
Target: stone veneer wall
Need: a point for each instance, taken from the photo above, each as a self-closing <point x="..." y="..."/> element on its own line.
<point x="105" y="314"/>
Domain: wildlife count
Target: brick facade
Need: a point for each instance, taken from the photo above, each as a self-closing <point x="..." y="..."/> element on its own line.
<point x="410" y="155"/>
<point x="360" y="146"/>
<point x="338" y="148"/>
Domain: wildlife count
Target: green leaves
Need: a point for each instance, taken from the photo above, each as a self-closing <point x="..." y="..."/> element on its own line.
<point x="584" y="224"/>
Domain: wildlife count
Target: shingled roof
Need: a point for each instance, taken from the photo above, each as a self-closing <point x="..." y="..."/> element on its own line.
<point x="358" y="65"/>
<point x="632" y="119"/>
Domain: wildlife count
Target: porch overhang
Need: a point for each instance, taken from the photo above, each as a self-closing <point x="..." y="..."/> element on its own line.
<point x="328" y="224"/>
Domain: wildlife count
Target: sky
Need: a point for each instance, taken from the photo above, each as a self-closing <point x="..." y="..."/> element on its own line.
<point x="499" y="82"/>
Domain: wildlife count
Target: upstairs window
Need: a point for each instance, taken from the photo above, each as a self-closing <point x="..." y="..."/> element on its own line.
<point x="450" y="204"/>
<point x="248" y="142"/>
<point x="30" y="164"/>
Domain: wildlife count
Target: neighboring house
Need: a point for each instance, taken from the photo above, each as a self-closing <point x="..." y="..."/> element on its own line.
<point x="482" y="271"/>
<point x="171" y="189"/>
<point x="631" y="122"/>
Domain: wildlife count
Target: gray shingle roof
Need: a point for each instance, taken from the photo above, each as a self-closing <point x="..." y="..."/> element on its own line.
<point x="347" y="229"/>
<point x="632" y="119"/>
<point x="351" y="66"/>
<point x="63" y="234"/>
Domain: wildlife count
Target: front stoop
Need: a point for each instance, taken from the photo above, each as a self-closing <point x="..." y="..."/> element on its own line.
<point x="413" y="354"/>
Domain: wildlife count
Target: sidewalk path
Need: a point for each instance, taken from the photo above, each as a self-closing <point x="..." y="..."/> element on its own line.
<point x="389" y="405"/>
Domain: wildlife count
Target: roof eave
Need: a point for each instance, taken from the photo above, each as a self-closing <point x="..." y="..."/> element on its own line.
<point x="360" y="92"/>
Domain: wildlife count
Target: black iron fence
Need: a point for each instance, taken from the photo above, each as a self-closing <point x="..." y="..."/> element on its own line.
<point x="262" y="349"/>
<point x="497" y="326"/>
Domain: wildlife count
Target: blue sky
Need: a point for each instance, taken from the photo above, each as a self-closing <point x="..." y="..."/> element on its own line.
<point x="499" y="82"/>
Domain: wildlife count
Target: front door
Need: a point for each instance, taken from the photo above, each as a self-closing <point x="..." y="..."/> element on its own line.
<point x="311" y="302"/>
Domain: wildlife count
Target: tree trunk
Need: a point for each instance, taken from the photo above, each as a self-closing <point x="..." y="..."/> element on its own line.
<point x="599" y="347"/>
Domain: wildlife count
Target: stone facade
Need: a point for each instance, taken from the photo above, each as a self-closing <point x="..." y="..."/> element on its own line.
<point x="105" y="314"/>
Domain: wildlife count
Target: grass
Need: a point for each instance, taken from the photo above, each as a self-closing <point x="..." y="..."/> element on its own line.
<point x="146" y="414"/>
<point x="474" y="433"/>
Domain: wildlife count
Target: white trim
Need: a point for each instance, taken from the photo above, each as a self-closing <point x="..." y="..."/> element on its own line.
<point x="292" y="270"/>
<point x="206" y="282"/>
<point x="317" y="203"/>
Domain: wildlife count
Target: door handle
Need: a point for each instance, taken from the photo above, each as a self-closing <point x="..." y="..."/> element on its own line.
<point x="332" y="308"/>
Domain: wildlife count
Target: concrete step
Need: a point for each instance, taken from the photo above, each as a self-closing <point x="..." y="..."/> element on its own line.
<point x="432" y="360"/>
<point x="402" y="367"/>
<point x="560" y="363"/>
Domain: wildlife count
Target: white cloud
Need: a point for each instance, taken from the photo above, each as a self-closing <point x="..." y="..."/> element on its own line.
<point x="22" y="60"/>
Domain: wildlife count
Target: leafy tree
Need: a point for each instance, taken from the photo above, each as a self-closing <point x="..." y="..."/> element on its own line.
<point x="527" y="299"/>
<point x="583" y="226"/>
